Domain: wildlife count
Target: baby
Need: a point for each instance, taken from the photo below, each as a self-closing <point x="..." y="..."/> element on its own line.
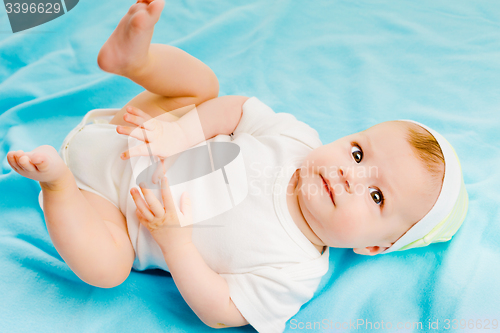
<point x="395" y="186"/>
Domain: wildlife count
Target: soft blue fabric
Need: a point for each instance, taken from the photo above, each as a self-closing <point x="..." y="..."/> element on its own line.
<point x="340" y="66"/>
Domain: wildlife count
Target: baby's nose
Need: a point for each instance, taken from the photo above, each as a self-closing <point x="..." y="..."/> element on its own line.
<point x="343" y="174"/>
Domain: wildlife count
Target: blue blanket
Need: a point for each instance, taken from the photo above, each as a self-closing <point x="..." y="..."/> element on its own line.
<point x="340" y="66"/>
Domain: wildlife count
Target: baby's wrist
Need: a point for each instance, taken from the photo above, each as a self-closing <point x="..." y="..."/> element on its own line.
<point x="176" y="249"/>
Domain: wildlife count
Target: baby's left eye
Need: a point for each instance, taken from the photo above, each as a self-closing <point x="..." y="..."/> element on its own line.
<point x="357" y="153"/>
<point x="376" y="196"/>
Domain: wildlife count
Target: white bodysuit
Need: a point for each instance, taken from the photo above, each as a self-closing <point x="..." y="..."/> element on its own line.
<point x="271" y="268"/>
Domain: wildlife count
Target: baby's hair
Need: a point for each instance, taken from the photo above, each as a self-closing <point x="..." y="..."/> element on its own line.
<point x="427" y="149"/>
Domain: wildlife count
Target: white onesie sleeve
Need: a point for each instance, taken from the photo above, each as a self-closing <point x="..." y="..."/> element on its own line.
<point x="267" y="298"/>
<point x="258" y="119"/>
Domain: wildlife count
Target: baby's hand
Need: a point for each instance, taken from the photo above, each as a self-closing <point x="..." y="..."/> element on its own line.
<point x="162" y="138"/>
<point x="164" y="221"/>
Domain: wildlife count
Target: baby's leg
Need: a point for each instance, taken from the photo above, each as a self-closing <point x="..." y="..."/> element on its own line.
<point x="151" y="104"/>
<point x="88" y="231"/>
<point x="173" y="77"/>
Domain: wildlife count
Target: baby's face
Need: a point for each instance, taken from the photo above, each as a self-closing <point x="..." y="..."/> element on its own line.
<point x="379" y="189"/>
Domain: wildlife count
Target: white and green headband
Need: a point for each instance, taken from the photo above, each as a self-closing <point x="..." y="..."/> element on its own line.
<point x="449" y="211"/>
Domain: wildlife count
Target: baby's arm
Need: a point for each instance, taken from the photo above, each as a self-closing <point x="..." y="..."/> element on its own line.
<point x="205" y="291"/>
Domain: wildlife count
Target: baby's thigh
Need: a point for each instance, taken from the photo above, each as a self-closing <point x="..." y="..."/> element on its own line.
<point x="111" y="216"/>
<point x="154" y="105"/>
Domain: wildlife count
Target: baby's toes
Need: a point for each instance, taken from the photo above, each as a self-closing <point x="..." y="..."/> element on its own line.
<point x="135" y="7"/>
<point x="12" y="161"/>
<point x="155" y="8"/>
<point x="25" y="163"/>
<point x="17" y="155"/>
<point x="40" y="162"/>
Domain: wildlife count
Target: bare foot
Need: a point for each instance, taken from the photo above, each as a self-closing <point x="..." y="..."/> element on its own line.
<point x="42" y="164"/>
<point x="126" y="50"/>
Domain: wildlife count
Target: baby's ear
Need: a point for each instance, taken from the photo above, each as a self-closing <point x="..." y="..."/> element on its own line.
<point x="372" y="250"/>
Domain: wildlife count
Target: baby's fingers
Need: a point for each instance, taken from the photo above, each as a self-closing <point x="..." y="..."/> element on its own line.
<point x="141" y="205"/>
<point x="141" y="150"/>
<point x="138" y="112"/>
<point x="137" y="132"/>
<point x="135" y="116"/>
<point x="138" y="117"/>
<point x="154" y="204"/>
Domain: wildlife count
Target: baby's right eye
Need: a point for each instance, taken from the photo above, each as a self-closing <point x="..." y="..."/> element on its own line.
<point x="357" y="153"/>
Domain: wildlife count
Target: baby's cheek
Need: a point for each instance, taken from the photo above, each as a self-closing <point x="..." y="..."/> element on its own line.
<point x="347" y="228"/>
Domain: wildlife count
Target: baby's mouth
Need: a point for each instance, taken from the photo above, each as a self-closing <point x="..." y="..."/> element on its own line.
<point x="328" y="189"/>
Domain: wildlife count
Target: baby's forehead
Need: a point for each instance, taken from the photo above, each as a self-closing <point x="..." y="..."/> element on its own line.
<point x="386" y="136"/>
<point x="392" y="127"/>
